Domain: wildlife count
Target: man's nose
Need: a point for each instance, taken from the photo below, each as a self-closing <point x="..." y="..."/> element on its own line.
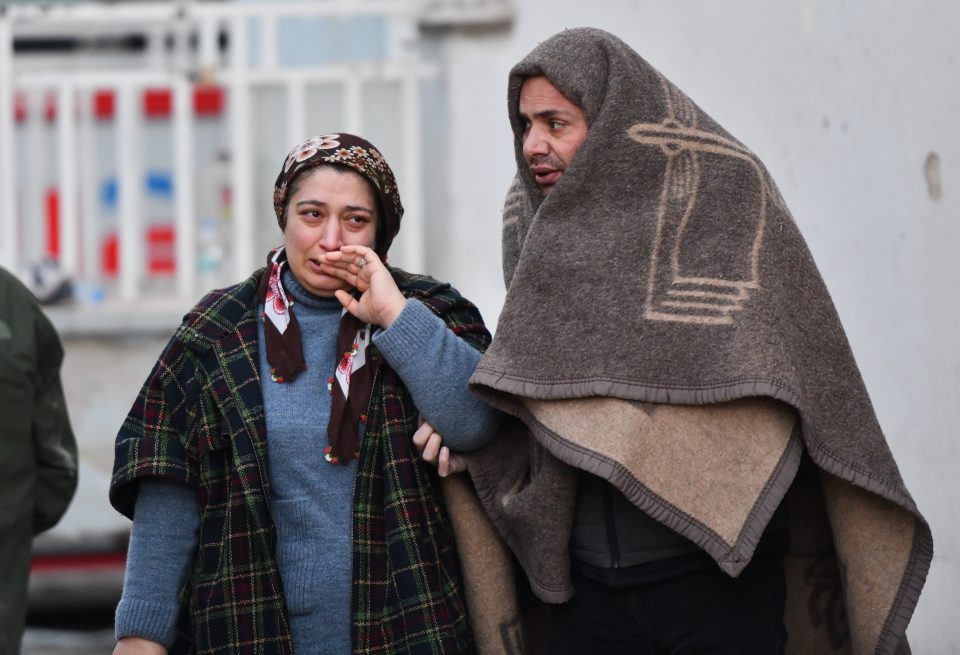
<point x="534" y="143"/>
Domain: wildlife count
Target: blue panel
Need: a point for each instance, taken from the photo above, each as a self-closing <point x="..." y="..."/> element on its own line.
<point x="160" y="184"/>
<point x="108" y="192"/>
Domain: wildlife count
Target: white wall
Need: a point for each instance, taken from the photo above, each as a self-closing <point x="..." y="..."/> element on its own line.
<point x="844" y="102"/>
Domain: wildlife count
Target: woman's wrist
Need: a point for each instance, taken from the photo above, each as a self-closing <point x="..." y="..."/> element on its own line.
<point x="393" y="309"/>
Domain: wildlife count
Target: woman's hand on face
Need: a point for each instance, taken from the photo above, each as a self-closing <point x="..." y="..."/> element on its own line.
<point x="429" y="443"/>
<point x="380" y="300"/>
<point x="138" y="646"/>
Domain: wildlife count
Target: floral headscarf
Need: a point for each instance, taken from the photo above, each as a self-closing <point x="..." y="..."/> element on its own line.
<point x="352" y="383"/>
<point x="356" y="153"/>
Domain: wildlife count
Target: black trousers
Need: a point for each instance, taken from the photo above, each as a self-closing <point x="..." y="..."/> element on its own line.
<point x="703" y="611"/>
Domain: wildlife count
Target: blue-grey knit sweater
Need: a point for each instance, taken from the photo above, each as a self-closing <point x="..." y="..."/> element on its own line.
<point x="310" y="499"/>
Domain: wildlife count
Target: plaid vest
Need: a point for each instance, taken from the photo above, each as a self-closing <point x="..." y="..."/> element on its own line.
<point x="199" y="421"/>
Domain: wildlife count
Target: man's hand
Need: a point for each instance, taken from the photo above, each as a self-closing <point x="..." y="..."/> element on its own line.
<point x="430" y="445"/>
<point x="138" y="646"/>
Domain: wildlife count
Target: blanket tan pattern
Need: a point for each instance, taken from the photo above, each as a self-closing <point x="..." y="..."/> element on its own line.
<point x="688" y="282"/>
<point x="666" y="327"/>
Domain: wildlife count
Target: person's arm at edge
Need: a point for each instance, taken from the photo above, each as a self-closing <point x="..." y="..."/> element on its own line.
<point x="55" y="446"/>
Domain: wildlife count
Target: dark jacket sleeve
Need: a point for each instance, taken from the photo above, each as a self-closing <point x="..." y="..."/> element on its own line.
<point x="55" y="448"/>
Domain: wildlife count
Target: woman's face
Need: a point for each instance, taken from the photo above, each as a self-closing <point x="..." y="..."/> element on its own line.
<point x="328" y="209"/>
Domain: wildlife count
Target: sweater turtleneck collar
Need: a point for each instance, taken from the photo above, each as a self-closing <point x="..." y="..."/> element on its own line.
<point x="293" y="288"/>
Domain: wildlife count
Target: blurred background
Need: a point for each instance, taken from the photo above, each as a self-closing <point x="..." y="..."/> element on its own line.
<point x="139" y="142"/>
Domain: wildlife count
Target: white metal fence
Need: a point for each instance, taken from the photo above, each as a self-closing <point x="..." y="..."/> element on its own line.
<point x="241" y="49"/>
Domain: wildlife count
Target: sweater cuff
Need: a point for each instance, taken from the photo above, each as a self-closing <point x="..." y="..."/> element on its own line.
<point x="408" y="336"/>
<point x="141" y="618"/>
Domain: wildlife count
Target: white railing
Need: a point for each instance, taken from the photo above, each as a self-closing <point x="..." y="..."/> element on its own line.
<point x="79" y="216"/>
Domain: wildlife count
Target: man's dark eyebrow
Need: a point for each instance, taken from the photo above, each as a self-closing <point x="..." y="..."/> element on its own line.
<point x="553" y="113"/>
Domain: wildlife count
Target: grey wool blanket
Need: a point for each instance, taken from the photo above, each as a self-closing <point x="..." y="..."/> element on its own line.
<point x="665" y="327"/>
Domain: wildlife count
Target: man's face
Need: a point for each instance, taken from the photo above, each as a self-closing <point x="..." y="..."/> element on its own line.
<point x="553" y="130"/>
